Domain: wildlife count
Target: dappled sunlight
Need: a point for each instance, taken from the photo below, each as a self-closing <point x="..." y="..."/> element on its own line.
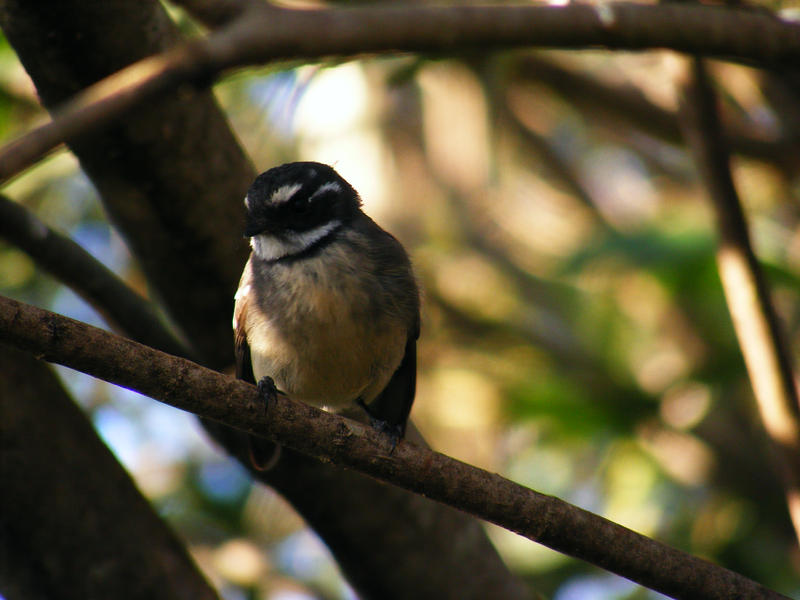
<point x="472" y="284"/>
<point x="336" y="122"/>
<point x="630" y="486"/>
<point x="685" y="405"/>
<point x="680" y="455"/>
<point x="455" y="127"/>
<point x="461" y="412"/>
<point x="240" y="561"/>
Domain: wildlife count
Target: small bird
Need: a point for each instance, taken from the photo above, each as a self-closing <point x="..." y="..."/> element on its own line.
<point x="327" y="310"/>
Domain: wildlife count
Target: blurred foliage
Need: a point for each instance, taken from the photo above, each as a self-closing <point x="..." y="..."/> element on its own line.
<point x="575" y="334"/>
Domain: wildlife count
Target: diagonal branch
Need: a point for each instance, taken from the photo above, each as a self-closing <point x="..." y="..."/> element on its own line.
<point x="88" y="277"/>
<point x="216" y="13"/>
<point x="754" y="318"/>
<point x="263" y="33"/>
<point x="328" y="437"/>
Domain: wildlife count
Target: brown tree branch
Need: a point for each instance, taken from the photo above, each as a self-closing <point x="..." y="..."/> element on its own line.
<point x="88" y="277"/>
<point x="72" y="523"/>
<point x="263" y="33"/>
<point x="754" y="318"/>
<point x="216" y="13"/>
<point x="347" y="507"/>
<point x="328" y="437"/>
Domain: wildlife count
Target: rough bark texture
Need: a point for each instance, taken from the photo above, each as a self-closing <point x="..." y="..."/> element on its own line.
<point x="72" y="523"/>
<point x="172" y="177"/>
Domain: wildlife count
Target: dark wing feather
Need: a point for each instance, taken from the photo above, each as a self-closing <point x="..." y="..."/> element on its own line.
<point x="241" y="349"/>
<point x="393" y="404"/>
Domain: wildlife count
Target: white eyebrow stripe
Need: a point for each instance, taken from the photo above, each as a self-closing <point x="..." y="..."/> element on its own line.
<point x="284" y="193"/>
<point x="326" y="187"/>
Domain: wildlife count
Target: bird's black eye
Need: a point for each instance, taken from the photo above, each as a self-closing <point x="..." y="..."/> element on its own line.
<point x="303" y="205"/>
<point x="301" y="213"/>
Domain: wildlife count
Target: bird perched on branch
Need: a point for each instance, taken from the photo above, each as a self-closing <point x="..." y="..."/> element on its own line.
<point x="327" y="310"/>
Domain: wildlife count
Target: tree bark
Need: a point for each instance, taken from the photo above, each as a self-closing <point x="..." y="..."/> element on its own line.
<point x="72" y="522"/>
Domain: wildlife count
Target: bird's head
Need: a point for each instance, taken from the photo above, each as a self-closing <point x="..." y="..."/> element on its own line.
<point x="293" y="206"/>
<point x="298" y="197"/>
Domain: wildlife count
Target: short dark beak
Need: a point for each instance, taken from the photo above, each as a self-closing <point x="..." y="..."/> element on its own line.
<point x="253" y="225"/>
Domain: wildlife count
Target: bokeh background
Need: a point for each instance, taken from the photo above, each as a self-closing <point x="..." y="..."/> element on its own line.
<point x="575" y="335"/>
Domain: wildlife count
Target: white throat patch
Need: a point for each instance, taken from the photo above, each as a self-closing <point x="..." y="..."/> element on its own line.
<point x="271" y="247"/>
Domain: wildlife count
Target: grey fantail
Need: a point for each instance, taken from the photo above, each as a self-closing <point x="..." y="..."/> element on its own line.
<point x="327" y="307"/>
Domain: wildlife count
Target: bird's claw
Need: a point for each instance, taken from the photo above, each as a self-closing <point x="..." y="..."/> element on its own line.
<point x="268" y="391"/>
<point x="393" y="432"/>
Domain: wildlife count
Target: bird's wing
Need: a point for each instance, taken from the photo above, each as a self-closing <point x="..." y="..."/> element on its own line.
<point x="263" y="453"/>
<point x="244" y="366"/>
<point x="393" y="404"/>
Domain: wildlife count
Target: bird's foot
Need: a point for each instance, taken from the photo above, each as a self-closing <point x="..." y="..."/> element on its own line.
<point x="263" y="453"/>
<point x="267" y="391"/>
<point x="394" y="432"/>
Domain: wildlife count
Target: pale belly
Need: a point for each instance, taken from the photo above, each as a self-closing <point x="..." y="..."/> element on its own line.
<point x="329" y="359"/>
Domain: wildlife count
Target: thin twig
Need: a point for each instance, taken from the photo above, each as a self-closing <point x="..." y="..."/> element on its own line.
<point x="216" y="13"/>
<point x="88" y="277"/>
<point x="269" y="34"/>
<point x="328" y="437"/>
<point x="754" y="318"/>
